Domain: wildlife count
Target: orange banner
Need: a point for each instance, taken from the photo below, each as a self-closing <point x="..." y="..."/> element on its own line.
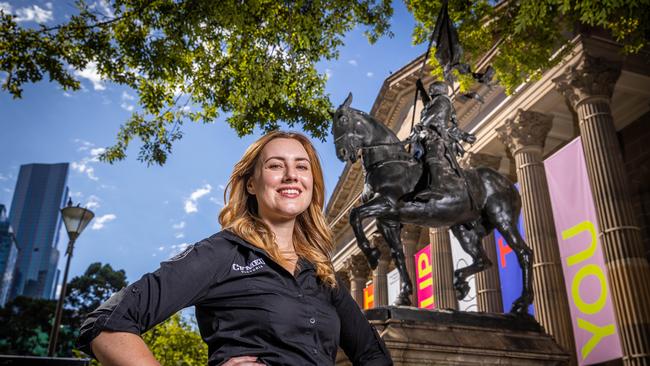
<point x="369" y="297"/>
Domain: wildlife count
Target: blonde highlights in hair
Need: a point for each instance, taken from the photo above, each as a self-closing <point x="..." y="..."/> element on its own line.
<point x="312" y="238"/>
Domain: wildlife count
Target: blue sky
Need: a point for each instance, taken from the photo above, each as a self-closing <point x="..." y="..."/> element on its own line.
<point x="146" y="214"/>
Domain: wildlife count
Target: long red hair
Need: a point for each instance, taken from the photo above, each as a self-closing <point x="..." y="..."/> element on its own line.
<point x="312" y="236"/>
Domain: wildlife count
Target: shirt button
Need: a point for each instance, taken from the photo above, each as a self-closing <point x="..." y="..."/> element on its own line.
<point x="312" y="321"/>
<point x="315" y="351"/>
<point x="299" y="295"/>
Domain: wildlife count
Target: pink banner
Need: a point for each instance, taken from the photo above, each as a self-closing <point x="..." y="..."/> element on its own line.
<point x="585" y="274"/>
<point x="424" y="278"/>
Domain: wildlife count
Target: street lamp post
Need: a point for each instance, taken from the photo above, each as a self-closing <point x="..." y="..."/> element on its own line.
<point x="76" y="219"/>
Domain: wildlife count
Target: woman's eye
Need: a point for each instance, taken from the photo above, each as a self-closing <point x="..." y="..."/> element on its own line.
<point x="275" y="166"/>
<point x="302" y="167"/>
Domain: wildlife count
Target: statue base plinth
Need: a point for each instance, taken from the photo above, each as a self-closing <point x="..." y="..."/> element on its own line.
<point x="447" y="337"/>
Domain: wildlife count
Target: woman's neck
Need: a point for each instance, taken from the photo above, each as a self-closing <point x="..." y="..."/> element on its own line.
<point x="283" y="232"/>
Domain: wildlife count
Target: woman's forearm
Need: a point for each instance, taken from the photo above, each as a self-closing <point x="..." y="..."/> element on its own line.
<point x="122" y="349"/>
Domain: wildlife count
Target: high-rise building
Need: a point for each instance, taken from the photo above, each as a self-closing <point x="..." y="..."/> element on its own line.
<point x="35" y="216"/>
<point x="8" y="255"/>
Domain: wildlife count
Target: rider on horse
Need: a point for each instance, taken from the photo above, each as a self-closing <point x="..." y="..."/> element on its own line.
<point x="441" y="143"/>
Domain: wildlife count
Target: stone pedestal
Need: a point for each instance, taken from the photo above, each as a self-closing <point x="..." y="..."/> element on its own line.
<point x="417" y="337"/>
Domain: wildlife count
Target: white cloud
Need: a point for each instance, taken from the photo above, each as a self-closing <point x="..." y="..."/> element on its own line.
<point x="127" y="107"/>
<point x="222" y="187"/>
<point x="7" y="190"/>
<point x="191" y="203"/>
<point x="161" y="248"/>
<point x="32" y="14"/>
<point x="216" y="201"/>
<point x="5" y="8"/>
<point x="99" y="222"/>
<point x="94" y="153"/>
<point x="93" y="202"/>
<point x="2" y="177"/>
<point x="201" y="192"/>
<point x="353" y="62"/>
<point x="180" y="236"/>
<point x="67" y="95"/>
<point x="76" y="194"/>
<point x="91" y="73"/>
<point x="190" y="207"/>
<point x="103" y="4"/>
<point x="126" y="97"/>
<point x="328" y="74"/>
<point x="84" y="166"/>
<point x="370" y="74"/>
<point x="177" y="248"/>
<point x="179" y="226"/>
<point x="85" y="145"/>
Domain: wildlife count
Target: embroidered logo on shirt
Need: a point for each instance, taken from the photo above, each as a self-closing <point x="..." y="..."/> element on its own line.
<point x="250" y="268"/>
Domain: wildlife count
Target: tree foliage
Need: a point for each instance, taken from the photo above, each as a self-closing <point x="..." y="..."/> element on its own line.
<point x="26" y="322"/>
<point x="26" y="325"/>
<point x="174" y="342"/>
<point x="527" y="33"/>
<point x="253" y="61"/>
<point x="96" y="285"/>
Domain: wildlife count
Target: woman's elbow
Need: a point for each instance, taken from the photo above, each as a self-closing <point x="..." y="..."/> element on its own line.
<point x="122" y="348"/>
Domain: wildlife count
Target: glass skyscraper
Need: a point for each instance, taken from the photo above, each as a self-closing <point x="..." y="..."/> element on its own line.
<point x="35" y="216"/>
<point x="8" y="255"/>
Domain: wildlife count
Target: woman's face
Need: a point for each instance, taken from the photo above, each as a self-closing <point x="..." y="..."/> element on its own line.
<point x="283" y="181"/>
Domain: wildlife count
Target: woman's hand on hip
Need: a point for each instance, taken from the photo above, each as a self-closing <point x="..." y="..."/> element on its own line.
<point x="243" y="361"/>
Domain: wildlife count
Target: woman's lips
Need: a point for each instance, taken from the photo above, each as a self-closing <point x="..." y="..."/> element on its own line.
<point x="289" y="192"/>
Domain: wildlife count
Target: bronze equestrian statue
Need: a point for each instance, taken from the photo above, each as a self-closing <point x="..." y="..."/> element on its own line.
<point x="430" y="190"/>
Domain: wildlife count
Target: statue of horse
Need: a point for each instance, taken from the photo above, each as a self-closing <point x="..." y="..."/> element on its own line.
<point x="393" y="177"/>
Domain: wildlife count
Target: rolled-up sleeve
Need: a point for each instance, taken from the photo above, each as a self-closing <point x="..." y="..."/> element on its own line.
<point x="179" y="282"/>
<point x="359" y="339"/>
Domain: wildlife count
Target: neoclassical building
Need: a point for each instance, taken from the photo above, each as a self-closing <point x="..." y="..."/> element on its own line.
<point x="595" y="93"/>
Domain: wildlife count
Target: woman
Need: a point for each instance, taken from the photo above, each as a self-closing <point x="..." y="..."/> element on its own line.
<point x="264" y="287"/>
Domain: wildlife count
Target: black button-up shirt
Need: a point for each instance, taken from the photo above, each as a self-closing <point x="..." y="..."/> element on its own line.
<point x="246" y="304"/>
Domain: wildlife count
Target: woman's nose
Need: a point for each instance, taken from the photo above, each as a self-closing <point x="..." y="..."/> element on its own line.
<point x="291" y="174"/>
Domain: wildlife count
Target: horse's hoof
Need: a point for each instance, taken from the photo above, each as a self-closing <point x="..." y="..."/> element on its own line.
<point x="462" y="289"/>
<point x="373" y="258"/>
<point x="403" y="299"/>
<point x="520" y="308"/>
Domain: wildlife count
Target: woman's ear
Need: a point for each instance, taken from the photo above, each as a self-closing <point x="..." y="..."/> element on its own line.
<point x="250" y="188"/>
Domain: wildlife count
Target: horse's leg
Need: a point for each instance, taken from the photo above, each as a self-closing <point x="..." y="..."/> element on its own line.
<point x="372" y="208"/>
<point x="524" y="254"/>
<point x="391" y="231"/>
<point x="470" y="241"/>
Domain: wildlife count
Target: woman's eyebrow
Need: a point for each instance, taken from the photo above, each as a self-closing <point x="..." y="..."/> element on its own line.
<point x="284" y="159"/>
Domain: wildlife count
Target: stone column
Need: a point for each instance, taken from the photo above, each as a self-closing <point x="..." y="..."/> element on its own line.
<point x="524" y="135"/>
<point x="358" y="269"/>
<point x="344" y="277"/>
<point x="442" y="268"/>
<point x="379" y="280"/>
<point x="589" y="86"/>
<point x="410" y="237"/>
<point x="488" y="285"/>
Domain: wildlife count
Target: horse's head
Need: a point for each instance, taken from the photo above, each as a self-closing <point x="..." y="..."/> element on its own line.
<point x="347" y="132"/>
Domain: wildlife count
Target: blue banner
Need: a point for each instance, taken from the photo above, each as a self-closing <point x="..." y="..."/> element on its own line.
<point x="509" y="270"/>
